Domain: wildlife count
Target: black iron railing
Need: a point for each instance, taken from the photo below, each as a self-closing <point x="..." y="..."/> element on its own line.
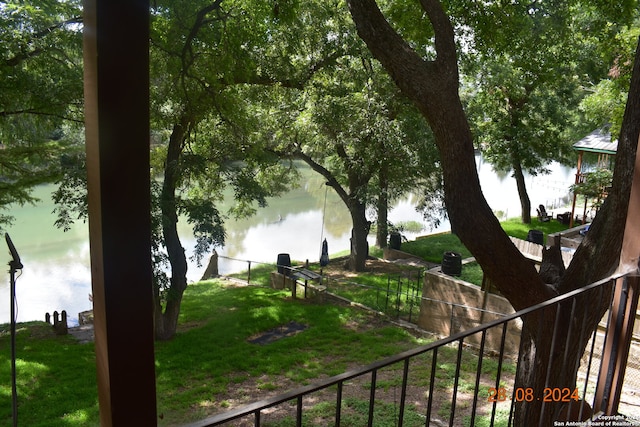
<point x="455" y="381"/>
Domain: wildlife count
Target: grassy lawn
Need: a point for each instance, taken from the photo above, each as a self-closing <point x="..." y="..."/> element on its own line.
<point x="432" y="247"/>
<point x="379" y="290"/>
<point x="209" y="356"/>
<point x="514" y="227"/>
<point x="210" y="366"/>
<point x="55" y="378"/>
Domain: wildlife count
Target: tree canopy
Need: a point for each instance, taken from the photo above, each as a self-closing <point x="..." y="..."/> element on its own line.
<point x="40" y="94"/>
<point x="525" y="80"/>
<point x="217" y="67"/>
<point x="354" y="128"/>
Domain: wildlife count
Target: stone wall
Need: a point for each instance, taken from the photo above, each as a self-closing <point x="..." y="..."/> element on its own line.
<point x="450" y="306"/>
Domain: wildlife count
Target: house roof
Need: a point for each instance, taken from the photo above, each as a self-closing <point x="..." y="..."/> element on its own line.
<point x="598" y="141"/>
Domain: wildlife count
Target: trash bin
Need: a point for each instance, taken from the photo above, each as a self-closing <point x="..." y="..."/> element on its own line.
<point x="452" y="263"/>
<point x="535" y="236"/>
<point x="284" y="262"/>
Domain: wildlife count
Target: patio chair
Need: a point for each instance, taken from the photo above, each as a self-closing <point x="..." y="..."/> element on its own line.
<point x="542" y="214"/>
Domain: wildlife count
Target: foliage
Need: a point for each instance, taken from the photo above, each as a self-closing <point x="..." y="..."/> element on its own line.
<point x="352" y="126"/>
<point x="40" y="93"/>
<point x="607" y="97"/>
<point x="594" y="186"/>
<point x="71" y="196"/>
<point x="214" y="67"/>
<point x="526" y="83"/>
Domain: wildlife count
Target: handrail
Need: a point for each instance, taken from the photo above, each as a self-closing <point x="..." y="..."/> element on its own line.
<point x="255" y="408"/>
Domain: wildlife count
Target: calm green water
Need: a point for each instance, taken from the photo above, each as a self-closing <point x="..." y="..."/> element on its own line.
<point x="56" y="274"/>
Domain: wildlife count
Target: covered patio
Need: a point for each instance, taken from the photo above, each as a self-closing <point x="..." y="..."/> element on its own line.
<point x="597" y="142"/>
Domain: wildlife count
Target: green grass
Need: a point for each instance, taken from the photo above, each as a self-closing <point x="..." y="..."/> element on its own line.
<point x="379" y="291"/>
<point x="472" y="273"/>
<point x="392" y="294"/>
<point x="211" y="356"/>
<point x="515" y="228"/>
<point x="260" y="274"/>
<point x="55" y="378"/>
<point x="431" y="248"/>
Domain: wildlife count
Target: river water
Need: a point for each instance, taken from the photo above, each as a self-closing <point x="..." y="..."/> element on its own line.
<point x="56" y="274"/>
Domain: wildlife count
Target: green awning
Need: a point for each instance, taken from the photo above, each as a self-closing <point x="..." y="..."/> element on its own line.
<point x="598" y="141"/>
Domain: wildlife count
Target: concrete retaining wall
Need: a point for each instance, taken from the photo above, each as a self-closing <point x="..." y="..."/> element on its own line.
<point x="450" y="306"/>
<point x="395" y="254"/>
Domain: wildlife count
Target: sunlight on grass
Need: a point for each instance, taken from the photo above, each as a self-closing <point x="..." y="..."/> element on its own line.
<point x="79" y="417"/>
<point x="272" y="312"/>
<point x="211" y="355"/>
<point x="501" y="419"/>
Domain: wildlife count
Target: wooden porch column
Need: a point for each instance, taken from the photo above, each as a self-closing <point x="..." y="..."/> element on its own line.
<point x="630" y="255"/>
<point x="578" y="179"/>
<point x="616" y="348"/>
<point x="116" y="61"/>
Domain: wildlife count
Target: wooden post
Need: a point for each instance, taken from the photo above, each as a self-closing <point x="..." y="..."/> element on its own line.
<point x="116" y="61"/>
<point x="629" y="258"/>
<point x="616" y="348"/>
<point x="578" y="180"/>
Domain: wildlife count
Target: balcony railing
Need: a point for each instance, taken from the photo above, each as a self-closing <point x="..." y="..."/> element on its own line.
<point x="455" y="381"/>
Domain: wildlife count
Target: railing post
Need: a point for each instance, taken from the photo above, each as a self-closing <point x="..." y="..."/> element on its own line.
<point x="249" y="273"/>
<point x="451" y="320"/>
<point x="616" y="346"/>
<point x="294" y="286"/>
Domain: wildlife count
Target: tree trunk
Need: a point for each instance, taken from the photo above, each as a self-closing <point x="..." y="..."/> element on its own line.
<point x="382" y="230"/>
<point x="525" y="202"/>
<point x="357" y="209"/>
<point x="433" y="87"/>
<point x="167" y="320"/>
<point x="359" y="233"/>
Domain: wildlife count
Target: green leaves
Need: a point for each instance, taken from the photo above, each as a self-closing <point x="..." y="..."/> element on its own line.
<point x="526" y="78"/>
<point x="594" y="186"/>
<point x="40" y="92"/>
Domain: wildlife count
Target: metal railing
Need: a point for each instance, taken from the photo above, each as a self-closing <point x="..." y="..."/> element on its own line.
<point x="400" y="298"/>
<point x="450" y="382"/>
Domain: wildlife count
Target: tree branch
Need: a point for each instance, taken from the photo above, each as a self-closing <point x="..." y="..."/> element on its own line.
<point x="16" y="60"/>
<point x="433" y="88"/>
<point x="35" y="112"/>
<point x="317" y="167"/>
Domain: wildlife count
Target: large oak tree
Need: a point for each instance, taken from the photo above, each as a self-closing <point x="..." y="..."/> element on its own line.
<point x="212" y="62"/>
<point x="432" y="82"/>
<point x="524" y="80"/>
<point x="353" y="127"/>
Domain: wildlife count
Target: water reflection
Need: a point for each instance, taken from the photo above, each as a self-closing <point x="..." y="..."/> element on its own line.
<point x="56" y="274"/>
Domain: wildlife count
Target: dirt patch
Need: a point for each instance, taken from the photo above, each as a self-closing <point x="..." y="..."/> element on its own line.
<point x="320" y="406"/>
